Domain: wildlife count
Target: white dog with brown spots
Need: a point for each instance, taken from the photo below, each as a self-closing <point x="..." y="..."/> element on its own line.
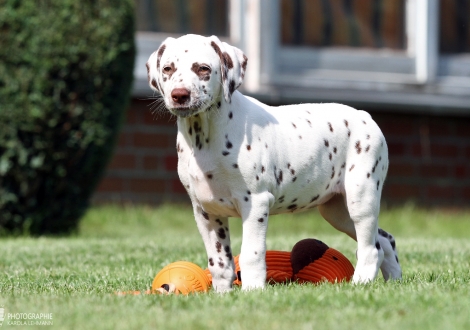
<point x="238" y="157"/>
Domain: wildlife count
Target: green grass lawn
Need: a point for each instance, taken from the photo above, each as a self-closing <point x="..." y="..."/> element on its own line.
<point x="122" y="248"/>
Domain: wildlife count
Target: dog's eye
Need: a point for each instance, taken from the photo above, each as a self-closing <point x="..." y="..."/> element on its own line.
<point x="204" y="69"/>
<point x="166" y="69"/>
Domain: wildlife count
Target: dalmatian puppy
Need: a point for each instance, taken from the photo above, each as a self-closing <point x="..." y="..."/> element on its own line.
<point x="238" y="157"/>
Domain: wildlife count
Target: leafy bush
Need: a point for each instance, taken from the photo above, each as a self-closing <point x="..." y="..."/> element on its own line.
<point x="66" y="71"/>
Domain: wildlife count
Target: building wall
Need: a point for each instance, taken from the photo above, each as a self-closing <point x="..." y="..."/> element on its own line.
<point x="429" y="159"/>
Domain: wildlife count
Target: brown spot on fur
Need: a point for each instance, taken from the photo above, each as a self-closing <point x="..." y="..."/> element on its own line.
<point x="231" y="86"/>
<point x="358" y="147"/>
<point x="245" y="62"/>
<point x="159" y="55"/>
<point x="221" y="233"/>
<point x="227" y="60"/>
<point x="148" y="71"/>
<point x="314" y="198"/>
<point x="154" y="83"/>
<point x="222" y="60"/>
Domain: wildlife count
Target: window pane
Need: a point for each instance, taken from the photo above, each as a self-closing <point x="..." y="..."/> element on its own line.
<point x="204" y="17"/>
<point x="343" y="23"/>
<point x="454" y="26"/>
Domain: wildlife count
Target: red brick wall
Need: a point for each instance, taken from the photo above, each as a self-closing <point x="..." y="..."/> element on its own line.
<point x="143" y="168"/>
<point x="429" y="159"/>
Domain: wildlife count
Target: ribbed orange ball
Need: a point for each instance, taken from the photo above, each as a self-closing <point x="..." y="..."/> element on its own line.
<point x="186" y="276"/>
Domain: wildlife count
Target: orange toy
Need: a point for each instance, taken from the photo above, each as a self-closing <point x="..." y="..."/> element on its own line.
<point x="311" y="261"/>
<point x="181" y="277"/>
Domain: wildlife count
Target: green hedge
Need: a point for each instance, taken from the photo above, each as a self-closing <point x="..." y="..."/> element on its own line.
<point x="66" y="69"/>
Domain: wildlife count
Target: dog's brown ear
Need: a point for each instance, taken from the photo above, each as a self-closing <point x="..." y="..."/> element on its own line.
<point x="154" y="67"/>
<point x="232" y="66"/>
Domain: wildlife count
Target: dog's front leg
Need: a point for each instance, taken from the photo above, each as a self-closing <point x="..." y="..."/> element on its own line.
<point x="215" y="234"/>
<point x="254" y="211"/>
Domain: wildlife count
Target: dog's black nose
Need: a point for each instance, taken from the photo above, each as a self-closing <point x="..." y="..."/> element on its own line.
<point x="180" y="95"/>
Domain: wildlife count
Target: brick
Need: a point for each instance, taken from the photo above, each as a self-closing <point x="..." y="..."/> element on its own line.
<point x="123" y="161"/>
<point x="439" y="127"/>
<point x="132" y="116"/>
<point x="444" y="151"/>
<point x="441" y="192"/>
<point x="111" y="184"/>
<point x="147" y="185"/>
<point x="171" y="163"/>
<point x="177" y="187"/>
<point x="432" y="170"/>
<point x="462" y="128"/>
<point x="152" y="140"/>
<point x="401" y="191"/>
<point x="396" y="148"/>
<point x="436" y="151"/>
<point x="159" y="118"/>
<point x="123" y="139"/>
<point x="466" y="194"/>
<point x="401" y="170"/>
<point x="151" y="162"/>
<point x="461" y="172"/>
<point x="398" y="127"/>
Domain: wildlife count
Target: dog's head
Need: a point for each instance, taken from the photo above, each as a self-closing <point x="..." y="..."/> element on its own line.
<point x="193" y="73"/>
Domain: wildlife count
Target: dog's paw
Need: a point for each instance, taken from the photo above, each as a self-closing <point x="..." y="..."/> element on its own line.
<point x="222" y="285"/>
<point x="253" y="280"/>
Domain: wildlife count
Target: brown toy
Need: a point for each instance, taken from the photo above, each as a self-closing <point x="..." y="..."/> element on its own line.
<point x="313" y="261"/>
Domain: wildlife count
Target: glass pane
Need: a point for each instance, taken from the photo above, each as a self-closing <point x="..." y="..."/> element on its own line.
<point x="204" y="17"/>
<point x="454" y="26"/>
<point x="343" y="23"/>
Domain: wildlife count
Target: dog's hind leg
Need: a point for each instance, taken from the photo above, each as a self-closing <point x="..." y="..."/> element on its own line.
<point x="363" y="204"/>
<point x="361" y="225"/>
<point x="390" y="266"/>
<point x="337" y="214"/>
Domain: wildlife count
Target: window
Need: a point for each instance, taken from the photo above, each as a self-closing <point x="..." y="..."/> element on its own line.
<point x="454" y="28"/>
<point x="332" y="23"/>
<point x="413" y="54"/>
<point x="205" y="17"/>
